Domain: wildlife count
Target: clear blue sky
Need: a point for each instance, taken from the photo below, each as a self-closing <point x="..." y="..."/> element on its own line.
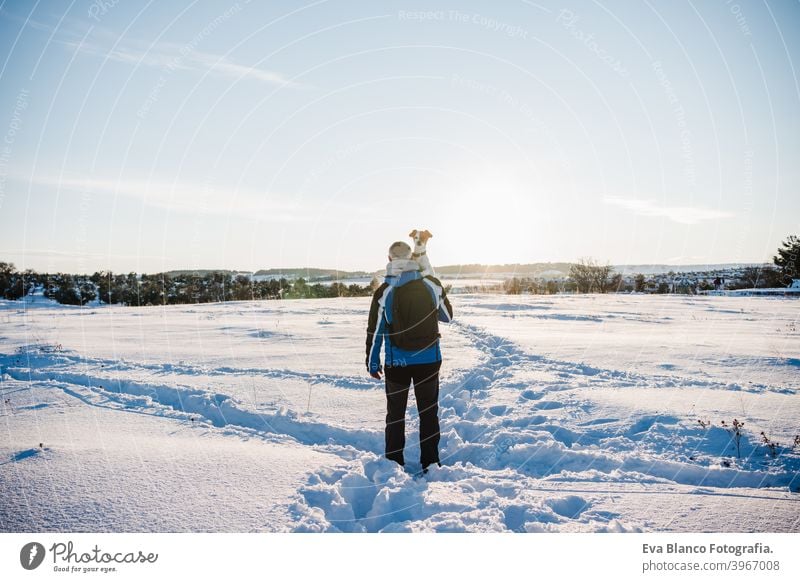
<point x="152" y="136"/>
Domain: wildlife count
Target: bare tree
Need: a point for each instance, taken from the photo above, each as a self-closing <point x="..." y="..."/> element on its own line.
<point x="590" y="277"/>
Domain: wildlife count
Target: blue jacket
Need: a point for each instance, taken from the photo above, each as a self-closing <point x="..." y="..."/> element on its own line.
<point x="380" y="314"/>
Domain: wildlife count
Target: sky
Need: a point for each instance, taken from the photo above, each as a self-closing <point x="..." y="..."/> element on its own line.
<point x="148" y="136"/>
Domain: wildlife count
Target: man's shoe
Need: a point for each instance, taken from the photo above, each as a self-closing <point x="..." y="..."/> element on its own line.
<point x="397" y="459"/>
<point x="425" y="469"/>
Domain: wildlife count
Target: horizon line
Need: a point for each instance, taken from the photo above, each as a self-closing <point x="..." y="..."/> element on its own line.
<point x="367" y="271"/>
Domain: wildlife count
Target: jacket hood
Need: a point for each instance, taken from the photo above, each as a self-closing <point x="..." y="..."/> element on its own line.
<point x="401" y="271"/>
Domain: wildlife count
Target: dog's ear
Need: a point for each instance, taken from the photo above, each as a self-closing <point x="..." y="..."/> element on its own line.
<point x="413" y="233"/>
<point x="427" y="234"/>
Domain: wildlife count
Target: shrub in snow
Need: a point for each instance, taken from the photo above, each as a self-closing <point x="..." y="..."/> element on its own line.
<point x="735" y="430"/>
<point x="771" y="445"/>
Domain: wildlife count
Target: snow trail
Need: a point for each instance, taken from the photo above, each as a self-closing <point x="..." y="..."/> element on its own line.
<point x="528" y="442"/>
<point x="490" y="460"/>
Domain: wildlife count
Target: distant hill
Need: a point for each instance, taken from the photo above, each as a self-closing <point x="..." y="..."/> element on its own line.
<point x="562" y="269"/>
<point x="198" y="272"/>
<point x="661" y="269"/>
<point x="310" y="273"/>
<point x="514" y="269"/>
<point x="471" y="271"/>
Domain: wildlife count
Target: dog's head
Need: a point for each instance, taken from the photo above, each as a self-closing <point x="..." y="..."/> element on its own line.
<point x="420" y="236"/>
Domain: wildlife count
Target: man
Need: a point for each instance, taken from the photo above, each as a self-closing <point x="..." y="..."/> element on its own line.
<point x="404" y="318"/>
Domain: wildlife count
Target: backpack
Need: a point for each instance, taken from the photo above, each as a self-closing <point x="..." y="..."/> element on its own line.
<point x="415" y="323"/>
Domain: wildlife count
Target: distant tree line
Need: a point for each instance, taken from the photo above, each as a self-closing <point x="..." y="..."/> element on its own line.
<point x="588" y="276"/>
<point x="531" y="286"/>
<point x="163" y="288"/>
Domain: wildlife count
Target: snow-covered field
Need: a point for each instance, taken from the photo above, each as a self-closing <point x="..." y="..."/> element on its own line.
<point x="573" y="413"/>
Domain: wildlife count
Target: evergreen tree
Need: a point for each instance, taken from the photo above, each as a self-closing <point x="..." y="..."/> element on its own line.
<point x="355" y="290"/>
<point x="152" y="289"/>
<point x="788" y="259"/>
<point x="299" y="289"/>
<point x="87" y="291"/>
<point x="242" y="288"/>
<point x="771" y="277"/>
<point x="104" y="282"/>
<point x="12" y="283"/>
<point x="66" y="290"/>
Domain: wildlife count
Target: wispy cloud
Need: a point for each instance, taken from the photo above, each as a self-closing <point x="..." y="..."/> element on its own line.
<point x="679" y="214"/>
<point x="225" y="67"/>
<point x="71" y="254"/>
<point x="170" y="57"/>
<point x="205" y="199"/>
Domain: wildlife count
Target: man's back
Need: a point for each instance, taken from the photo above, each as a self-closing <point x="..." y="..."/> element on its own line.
<point x="379" y="327"/>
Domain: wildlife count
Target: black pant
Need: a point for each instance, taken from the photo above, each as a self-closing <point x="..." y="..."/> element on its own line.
<point x="426" y="390"/>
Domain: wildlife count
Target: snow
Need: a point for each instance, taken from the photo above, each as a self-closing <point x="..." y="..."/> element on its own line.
<point x="558" y="413"/>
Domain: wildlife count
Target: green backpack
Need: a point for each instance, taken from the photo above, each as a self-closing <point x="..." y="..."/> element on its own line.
<point x="415" y="325"/>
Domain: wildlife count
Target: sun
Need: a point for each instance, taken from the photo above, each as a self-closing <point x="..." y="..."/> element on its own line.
<point x="488" y="216"/>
